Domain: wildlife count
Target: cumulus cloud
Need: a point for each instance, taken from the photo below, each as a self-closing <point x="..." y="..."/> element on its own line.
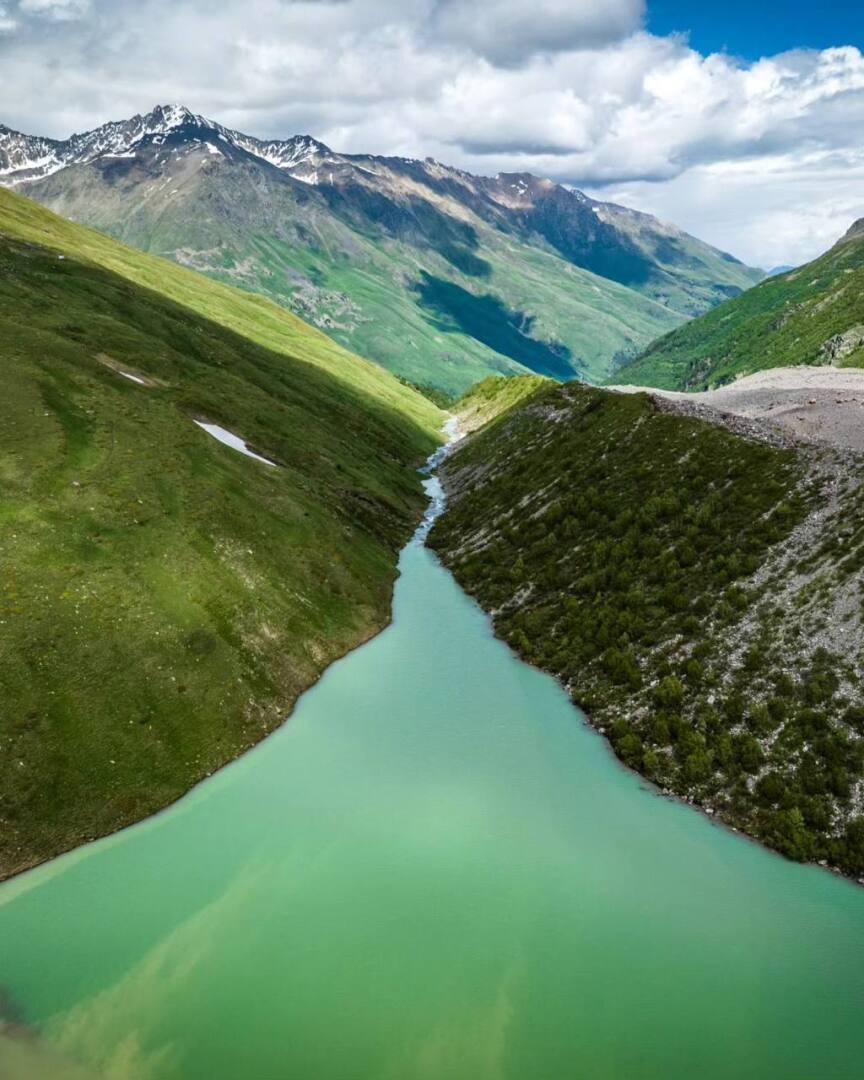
<point x="509" y="31"/>
<point x="566" y="88"/>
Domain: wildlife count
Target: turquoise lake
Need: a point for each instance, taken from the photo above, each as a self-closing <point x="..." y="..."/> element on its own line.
<point x="435" y="870"/>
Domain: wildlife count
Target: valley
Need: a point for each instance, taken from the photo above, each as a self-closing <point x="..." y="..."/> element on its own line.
<point x="634" y="586"/>
<point x="752" y="486"/>
<point x="437" y="855"/>
<point x="431" y="540"/>
<point x="441" y="276"/>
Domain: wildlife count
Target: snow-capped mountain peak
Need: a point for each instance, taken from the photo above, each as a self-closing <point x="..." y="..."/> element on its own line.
<point x="283" y="153"/>
<point x="168" y="117"/>
<point x="25" y="158"/>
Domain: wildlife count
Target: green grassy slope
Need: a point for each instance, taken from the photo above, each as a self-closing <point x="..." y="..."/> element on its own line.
<point x="163" y="598"/>
<point x="494" y="397"/>
<point x="793" y="318"/>
<point x="646" y="559"/>
<point x="250" y="315"/>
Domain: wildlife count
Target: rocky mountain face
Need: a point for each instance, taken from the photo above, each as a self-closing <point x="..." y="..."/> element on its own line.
<point x="25" y="158"/>
<point x="442" y="276"/>
<point x="813" y="314"/>
<point x="855" y="232"/>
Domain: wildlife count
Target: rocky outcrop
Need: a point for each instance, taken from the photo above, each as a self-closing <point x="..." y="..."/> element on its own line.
<point x="856" y="231"/>
<point x="839" y="346"/>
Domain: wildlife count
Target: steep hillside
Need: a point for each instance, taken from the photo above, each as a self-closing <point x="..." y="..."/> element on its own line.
<point x="164" y="598"/>
<point x="441" y="276"/>
<point x="697" y="589"/>
<point x="811" y="315"/>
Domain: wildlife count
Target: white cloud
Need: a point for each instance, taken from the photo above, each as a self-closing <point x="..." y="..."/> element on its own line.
<point x="7" y="24"/>
<point x="759" y="158"/>
<point x="782" y="210"/>
<point x="59" y="10"/>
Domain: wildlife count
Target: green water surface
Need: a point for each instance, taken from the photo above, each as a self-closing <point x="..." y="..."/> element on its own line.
<point x="434" y="870"/>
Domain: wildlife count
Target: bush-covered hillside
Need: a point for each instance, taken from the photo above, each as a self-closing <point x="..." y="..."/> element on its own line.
<point x="163" y="598"/>
<point x="669" y="573"/>
<point x="812" y="315"/>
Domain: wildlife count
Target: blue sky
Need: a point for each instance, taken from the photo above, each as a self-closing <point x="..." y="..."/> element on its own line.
<point x="755" y="28"/>
<point x="697" y="112"/>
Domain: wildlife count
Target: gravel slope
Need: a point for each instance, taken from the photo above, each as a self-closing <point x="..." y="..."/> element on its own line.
<point x="821" y="404"/>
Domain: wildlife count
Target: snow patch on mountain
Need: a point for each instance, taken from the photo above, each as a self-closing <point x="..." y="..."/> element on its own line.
<point x="284" y="154"/>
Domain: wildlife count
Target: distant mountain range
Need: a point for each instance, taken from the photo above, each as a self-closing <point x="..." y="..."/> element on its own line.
<point x="811" y="315"/>
<point x="439" y="275"/>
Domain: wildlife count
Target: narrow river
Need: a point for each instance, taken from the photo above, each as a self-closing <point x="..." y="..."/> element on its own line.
<point x="434" y="870"/>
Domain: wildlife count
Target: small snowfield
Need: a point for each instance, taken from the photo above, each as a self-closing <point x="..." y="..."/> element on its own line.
<point x="228" y="438"/>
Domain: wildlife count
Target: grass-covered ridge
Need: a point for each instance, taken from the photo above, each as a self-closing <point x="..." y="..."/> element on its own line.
<point x="163" y="598"/>
<point x="495" y="396"/>
<point x="669" y="572"/>
<point x="811" y="315"/>
<point x="254" y="317"/>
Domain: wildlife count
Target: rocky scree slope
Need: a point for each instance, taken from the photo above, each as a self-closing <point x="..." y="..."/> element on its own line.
<point x="164" y="599"/>
<point x="441" y="276"/>
<point x="699" y="591"/>
<point x="811" y="315"/>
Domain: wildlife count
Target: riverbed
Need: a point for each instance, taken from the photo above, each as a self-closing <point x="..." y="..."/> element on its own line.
<point x="435" y="870"/>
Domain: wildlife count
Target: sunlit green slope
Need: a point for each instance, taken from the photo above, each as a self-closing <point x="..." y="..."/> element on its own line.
<point x="494" y="397"/>
<point x="812" y="315"/>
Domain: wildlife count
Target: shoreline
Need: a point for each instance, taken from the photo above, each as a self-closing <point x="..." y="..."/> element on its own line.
<point x="20" y="872"/>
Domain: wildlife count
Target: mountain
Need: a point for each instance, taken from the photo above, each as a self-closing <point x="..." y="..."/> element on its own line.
<point x="164" y="597"/>
<point x="811" y="315"/>
<point x="441" y="276"/>
<point x="695" y="587"/>
<point x="854" y="232"/>
<point x="26" y="158"/>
